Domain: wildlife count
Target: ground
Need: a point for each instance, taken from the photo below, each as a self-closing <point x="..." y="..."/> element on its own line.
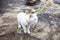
<point x="48" y="27"/>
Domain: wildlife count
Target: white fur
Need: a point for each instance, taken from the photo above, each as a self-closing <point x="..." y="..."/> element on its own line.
<point x="25" y="19"/>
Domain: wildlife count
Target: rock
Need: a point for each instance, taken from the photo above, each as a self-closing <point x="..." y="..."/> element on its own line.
<point x="43" y="31"/>
<point x="8" y="24"/>
<point x="39" y="31"/>
<point x="49" y="18"/>
<point x="48" y="27"/>
<point x="56" y="1"/>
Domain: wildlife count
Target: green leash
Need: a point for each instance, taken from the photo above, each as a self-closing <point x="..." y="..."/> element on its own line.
<point x="40" y="10"/>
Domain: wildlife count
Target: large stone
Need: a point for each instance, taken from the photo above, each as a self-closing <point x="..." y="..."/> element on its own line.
<point x="56" y="1"/>
<point x="8" y="23"/>
<point x="44" y="30"/>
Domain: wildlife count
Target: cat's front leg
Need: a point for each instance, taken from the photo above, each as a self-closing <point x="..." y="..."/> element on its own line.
<point x="24" y="28"/>
<point x="28" y="29"/>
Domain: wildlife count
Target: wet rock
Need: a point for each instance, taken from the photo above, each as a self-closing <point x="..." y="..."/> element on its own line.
<point x="49" y="18"/>
<point x="56" y="1"/>
<point x="39" y="31"/>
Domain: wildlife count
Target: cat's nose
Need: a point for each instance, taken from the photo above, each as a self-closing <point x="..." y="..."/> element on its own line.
<point x="30" y="15"/>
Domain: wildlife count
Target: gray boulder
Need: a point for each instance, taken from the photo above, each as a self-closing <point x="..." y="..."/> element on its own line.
<point x="56" y="1"/>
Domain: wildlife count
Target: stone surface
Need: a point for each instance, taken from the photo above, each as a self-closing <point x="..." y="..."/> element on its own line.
<point x="39" y="31"/>
<point x="48" y="27"/>
<point x="50" y="18"/>
<point x="56" y="1"/>
<point x="8" y="23"/>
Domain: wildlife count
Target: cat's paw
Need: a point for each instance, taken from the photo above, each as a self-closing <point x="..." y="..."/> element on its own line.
<point x="25" y="31"/>
<point x="19" y="27"/>
<point x="28" y="32"/>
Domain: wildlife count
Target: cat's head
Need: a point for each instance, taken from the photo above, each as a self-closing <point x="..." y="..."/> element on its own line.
<point x="33" y="17"/>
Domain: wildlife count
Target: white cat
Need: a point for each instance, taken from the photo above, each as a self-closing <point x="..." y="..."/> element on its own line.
<point x="24" y="20"/>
